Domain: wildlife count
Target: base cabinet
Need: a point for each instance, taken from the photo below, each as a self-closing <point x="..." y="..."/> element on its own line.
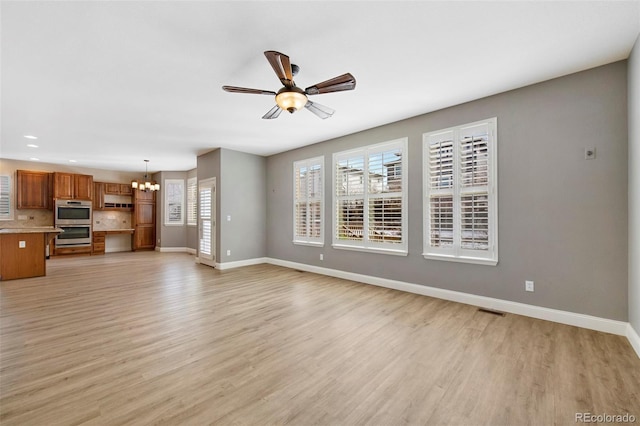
<point x="22" y="256"/>
<point x="98" y="242"/>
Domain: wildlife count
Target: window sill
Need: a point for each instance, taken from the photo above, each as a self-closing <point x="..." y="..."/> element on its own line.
<point x="473" y="260"/>
<point x="308" y="243"/>
<point x="371" y="250"/>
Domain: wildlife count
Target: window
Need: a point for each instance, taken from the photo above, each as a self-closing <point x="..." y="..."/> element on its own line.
<point x="461" y="196"/>
<point x="192" y="201"/>
<point x="369" y="211"/>
<point x="308" y="223"/>
<point x="5" y="197"/>
<point x="174" y="202"/>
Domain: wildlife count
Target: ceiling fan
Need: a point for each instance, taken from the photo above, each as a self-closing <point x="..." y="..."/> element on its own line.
<point x="291" y="97"/>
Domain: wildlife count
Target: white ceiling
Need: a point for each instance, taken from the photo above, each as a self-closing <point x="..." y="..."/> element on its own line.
<point x="109" y="84"/>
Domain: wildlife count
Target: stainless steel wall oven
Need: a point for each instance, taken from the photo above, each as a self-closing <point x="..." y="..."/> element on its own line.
<point x="74" y="218"/>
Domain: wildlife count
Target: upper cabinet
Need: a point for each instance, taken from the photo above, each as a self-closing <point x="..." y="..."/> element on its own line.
<point x="34" y="190"/>
<point x="117" y="189"/>
<point x="103" y="200"/>
<point x="72" y="186"/>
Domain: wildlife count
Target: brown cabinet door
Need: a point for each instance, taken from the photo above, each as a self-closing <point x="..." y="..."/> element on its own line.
<point x="98" y="195"/>
<point x="144" y="220"/>
<point x="125" y="189"/>
<point x="34" y="190"/>
<point x="83" y="187"/>
<point x="145" y="237"/>
<point x="112" y="188"/>
<point x="63" y="186"/>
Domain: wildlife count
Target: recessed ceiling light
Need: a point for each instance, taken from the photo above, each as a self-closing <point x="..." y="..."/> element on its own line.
<point x="32" y="145"/>
<point x="30" y="137"/>
<point x="73" y="161"/>
<point x="34" y="159"/>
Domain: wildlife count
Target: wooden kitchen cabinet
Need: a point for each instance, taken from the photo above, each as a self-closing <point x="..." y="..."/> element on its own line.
<point x="117" y="189"/>
<point x="34" y="190"/>
<point x="144" y="220"/>
<point x="101" y="202"/>
<point x="98" y="242"/>
<point x="70" y="186"/>
<point x="98" y="196"/>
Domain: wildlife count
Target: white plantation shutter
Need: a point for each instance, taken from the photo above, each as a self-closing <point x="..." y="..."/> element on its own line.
<point x="460" y="185"/>
<point x="5" y="197"/>
<point x="370" y="200"/>
<point x="308" y="224"/>
<point x="206" y="228"/>
<point x="192" y="201"/>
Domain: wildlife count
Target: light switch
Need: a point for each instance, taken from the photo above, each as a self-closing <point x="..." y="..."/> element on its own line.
<point x="22" y="244"/>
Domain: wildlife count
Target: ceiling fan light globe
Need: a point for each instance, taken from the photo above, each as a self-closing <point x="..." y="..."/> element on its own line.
<point x="291" y="100"/>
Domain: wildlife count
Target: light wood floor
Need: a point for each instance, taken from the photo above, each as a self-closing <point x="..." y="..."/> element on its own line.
<point x="153" y="338"/>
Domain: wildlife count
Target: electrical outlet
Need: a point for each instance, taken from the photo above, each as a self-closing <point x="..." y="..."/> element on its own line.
<point x="228" y="218"/>
<point x="228" y="252"/>
<point x="528" y="285"/>
<point x="589" y="153"/>
<point x="321" y="256"/>
<point x="22" y="244"/>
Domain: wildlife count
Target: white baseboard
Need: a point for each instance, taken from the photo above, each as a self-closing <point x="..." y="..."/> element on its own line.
<point x="634" y="339"/>
<point x="570" y="318"/>
<point x="239" y="263"/>
<point x="175" y="250"/>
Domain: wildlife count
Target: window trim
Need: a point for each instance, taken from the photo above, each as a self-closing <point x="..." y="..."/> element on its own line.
<point x="192" y="205"/>
<point x="9" y="214"/>
<point x="457" y="254"/>
<point x="373" y="247"/>
<point x="167" y="183"/>
<point x="310" y="241"/>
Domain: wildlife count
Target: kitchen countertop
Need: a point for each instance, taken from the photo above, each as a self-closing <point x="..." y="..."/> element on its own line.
<point x="32" y="230"/>
<point x="115" y="231"/>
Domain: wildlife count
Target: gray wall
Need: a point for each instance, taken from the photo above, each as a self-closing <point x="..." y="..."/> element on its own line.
<point x="192" y="231"/>
<point x="208" y="166"/>
<point x="240" y="193"/>
<point x="242" y="196"/>
<point x="634" y="187"/>
<point x="174" y="235"/>
<point x="562" y="219"/>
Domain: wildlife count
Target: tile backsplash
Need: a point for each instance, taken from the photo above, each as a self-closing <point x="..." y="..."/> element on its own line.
<point x="105" y="220"/>
<point x="26" y="218"/>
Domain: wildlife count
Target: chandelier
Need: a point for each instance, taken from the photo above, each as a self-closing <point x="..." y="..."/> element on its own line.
<point x="145" y="184"/>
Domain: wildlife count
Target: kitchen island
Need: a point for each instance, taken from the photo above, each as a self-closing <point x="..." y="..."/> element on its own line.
<point x="23" y="251"/>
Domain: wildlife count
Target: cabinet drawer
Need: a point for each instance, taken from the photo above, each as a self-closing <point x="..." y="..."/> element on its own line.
<point x="98" y="238"/>
<point x="98" y="248"/>
<point x="73" y="250"/>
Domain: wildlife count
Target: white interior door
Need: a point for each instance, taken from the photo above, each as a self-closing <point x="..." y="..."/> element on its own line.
<point x="207" y="221"/>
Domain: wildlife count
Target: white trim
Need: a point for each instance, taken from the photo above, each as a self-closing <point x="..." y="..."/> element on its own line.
<point x="371" y="249"/>
<point x="634" y="339"/>
<point x="309" y="163"/>
<point x="308" y="243"/>
<point x="240" y="263"/>
<point x="555" y="315"/>
<point x="174" y="182"/>
<point x="192" y="251"/>
<point x="175" y="250"/>
<point x="365" y="245"/>
<point x="462" y="259"/>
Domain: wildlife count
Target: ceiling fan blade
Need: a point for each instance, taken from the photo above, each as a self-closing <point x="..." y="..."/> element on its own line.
<point x="234" y="89"/>
<point x="281" y="65"/>
<point x="336" y="84"/>
<point x="273" y="113"/>
<point x="321" y="111"/>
